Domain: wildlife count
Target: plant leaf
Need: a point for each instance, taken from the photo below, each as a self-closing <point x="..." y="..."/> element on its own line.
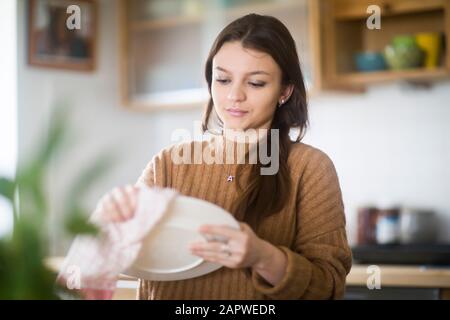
<point x="78" y="223"/>
<point x="7" y="188"/>
<point x="56" y="136"/>
<point x="89" y="176"/>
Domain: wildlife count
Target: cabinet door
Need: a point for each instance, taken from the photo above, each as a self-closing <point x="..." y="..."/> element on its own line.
<point x="165" y="43"/>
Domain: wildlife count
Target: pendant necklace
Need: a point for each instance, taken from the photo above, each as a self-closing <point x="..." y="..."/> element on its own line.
<point x="230" y="177"/>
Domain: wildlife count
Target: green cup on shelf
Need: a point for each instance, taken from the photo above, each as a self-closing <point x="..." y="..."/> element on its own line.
<point x="403" y="53"/>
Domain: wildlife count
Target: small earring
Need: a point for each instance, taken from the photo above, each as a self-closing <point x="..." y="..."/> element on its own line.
<point x="281" y="103"/>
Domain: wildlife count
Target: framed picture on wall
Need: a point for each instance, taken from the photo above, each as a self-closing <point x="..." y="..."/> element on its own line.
<point x="62" y="34"/>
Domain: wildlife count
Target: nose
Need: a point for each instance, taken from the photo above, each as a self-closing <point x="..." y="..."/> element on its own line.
<point x="236" y="93"/>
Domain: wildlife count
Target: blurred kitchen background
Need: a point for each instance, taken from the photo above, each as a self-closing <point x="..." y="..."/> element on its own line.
<point x="379" y="107"/>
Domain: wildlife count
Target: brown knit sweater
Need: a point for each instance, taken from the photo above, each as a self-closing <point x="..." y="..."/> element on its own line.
<point x="310" y="230"/>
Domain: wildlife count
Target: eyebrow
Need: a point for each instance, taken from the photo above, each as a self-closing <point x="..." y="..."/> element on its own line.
<point x="250" y="73"/>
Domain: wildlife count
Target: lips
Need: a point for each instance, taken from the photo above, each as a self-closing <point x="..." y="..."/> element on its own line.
<point x="236" y="112"/>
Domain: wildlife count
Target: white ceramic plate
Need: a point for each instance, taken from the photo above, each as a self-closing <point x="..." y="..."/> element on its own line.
<point x="165" y="254"/>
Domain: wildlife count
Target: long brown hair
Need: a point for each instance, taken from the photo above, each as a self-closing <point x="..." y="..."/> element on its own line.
<point x="266" y="195"/>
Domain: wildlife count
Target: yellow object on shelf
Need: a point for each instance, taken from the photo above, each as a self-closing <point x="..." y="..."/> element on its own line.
<point x="430" y="43"/>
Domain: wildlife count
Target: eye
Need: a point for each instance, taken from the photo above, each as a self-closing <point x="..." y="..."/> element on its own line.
<point x="222" y="81"/>
<point x="257" y="84"/>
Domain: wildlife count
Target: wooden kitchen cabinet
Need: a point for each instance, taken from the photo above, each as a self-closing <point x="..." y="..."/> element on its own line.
<point x="164" y="45"/>
<point x="343" y="33"/>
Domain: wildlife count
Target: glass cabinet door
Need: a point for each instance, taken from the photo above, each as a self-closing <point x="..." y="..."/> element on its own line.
<point x="165" y="43"/>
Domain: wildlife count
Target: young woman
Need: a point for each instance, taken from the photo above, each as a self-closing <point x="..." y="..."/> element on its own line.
<point x="292" y="241"/>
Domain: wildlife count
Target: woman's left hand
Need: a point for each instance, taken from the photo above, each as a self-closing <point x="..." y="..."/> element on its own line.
<point x="242" y="248"/>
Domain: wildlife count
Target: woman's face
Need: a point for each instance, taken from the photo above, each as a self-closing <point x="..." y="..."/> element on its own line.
<point x="246" y="87"/>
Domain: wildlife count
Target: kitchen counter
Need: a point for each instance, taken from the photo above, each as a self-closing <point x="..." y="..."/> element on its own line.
<point x="391" y="276"/>
<point x="401" y="276"/>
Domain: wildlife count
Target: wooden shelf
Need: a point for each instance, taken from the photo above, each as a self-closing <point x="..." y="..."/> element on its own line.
<point x="229" y="13"/>
<point x="189" y="98"/>
<point x="364" y="78"/>
<point x="343" y="33"/>
<point x="352" y="10"/>
<point x="162" y="23"/>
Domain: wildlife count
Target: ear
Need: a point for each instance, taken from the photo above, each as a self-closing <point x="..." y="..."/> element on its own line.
<point x="286" y="93"/>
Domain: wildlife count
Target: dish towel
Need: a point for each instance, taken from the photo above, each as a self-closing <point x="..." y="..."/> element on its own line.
<point x="93" y="263"/>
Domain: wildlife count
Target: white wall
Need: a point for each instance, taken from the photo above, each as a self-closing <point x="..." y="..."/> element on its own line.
<point x="8" y="110"/>
<point x="389" y="144"/>
<point x="99" y="122"/>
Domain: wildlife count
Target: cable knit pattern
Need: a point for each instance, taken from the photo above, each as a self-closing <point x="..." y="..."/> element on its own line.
<point x="310" y="230"/>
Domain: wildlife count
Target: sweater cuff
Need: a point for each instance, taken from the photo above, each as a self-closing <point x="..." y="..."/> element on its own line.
<point x="294" y="282"/>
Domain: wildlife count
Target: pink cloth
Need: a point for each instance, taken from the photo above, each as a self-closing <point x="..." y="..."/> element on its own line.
<point x="93" y="264"/>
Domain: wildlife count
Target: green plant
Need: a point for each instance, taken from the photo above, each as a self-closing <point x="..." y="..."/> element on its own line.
<point x="23" y="273"/>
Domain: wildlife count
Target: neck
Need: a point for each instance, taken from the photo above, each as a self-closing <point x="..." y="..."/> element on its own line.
<point x="249" y="136"/>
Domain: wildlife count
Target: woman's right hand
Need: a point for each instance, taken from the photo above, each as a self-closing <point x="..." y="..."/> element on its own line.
<point x="119" y="204"/>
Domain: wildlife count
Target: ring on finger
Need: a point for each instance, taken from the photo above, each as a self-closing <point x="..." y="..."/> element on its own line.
<point x="225" y="248"/>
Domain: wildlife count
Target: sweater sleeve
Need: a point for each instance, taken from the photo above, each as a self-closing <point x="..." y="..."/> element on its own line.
<point x="320" y="259"/>
<point x="155" y="173"/>
<point x="147" y="177"/>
